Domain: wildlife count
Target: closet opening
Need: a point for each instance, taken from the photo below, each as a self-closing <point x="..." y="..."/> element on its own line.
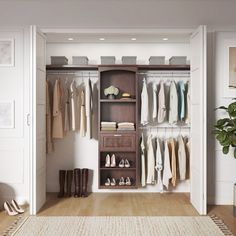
<point x="126" y="114"/>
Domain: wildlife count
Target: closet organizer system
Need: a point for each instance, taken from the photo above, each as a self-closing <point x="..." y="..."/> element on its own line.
<point x="126" y="144"/>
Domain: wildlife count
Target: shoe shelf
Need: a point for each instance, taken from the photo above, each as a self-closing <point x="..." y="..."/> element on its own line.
<point x="118" y="187"/>
<point x="123" y="144"/>
<point x="118" y="100"/>
<point x="118" y="168"/>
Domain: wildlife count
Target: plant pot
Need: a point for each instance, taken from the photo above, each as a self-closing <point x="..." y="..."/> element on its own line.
<point x="111" y="96"/>
<point x="234" y="200"/>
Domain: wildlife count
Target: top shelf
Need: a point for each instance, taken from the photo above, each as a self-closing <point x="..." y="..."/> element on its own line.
<point x="139" y="67"/>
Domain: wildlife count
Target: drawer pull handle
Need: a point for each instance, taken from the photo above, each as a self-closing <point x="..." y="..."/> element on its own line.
<point x="117" y="135"/>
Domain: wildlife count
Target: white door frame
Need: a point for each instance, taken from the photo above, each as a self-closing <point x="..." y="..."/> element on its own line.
<point x="33" y="106"/>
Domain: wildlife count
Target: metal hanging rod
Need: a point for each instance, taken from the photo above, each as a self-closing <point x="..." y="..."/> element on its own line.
<point x="72" y="72"/>
<point x="77" y="74"/>
<point x="165" y="127"/>
<point x="165" y="74"/>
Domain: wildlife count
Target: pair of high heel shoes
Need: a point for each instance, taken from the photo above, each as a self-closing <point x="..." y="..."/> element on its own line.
<point x="111" y="162"/>
<point x="12" y="208"/>
<point x="122" y="182"/>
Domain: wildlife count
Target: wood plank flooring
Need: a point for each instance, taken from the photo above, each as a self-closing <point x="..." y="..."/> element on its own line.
<point x="125" y="204"/>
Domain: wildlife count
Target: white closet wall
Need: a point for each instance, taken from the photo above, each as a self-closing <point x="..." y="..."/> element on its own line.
<point x="74" y="151"/>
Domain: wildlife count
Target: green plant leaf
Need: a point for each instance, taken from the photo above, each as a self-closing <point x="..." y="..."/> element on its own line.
<point x="221" y="137"/>
<point x="222" y="122"/>
<point x="231" y="129"/>
<point x="235" y="153"/>
<point x="233" y="142"/>
<point x="226" y="142"/>
<point x="232" y="109"/>
<point x="221" y="108"/>
<point x="225" y="150"/>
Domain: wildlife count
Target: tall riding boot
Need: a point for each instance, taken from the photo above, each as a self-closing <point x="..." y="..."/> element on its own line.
<point x="62" y="178"/>
<point x="77" y="180"/>
<point x="85" y="182"/>
<point x="69" y="177"/>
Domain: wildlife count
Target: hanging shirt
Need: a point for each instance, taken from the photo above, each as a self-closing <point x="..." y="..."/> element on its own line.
<point x="181" y="99"/>
<point x="143" y="162"/>
<point x="58" y="130"/>
<point x="144" y="104"/>
<point x="73" y="114"/>
<point x="167" y="175"/>
<point x="161" y="103"/>
<point x="181" y="158"/>
<point x="150" y="162"/>
<point x="154" y="109"/>
<point x="188" y="106"/>
<point x="66" y="119"/>
<point x="173" y="104"/>
<point x="173" y="162"/>
<point x="88" y="108"/>
<point x="48" y="120"/>
<point x="187" y="148"/>
<point x="82" y="115"/>
<point x="159" y="164"/>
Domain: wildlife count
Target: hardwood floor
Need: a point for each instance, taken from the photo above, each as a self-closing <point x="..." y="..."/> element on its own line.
<point x="120" y="204"/>
<point x="125" y="204"/>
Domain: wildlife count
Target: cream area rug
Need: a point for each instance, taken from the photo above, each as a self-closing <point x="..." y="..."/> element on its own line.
<point x="119" y="226"/>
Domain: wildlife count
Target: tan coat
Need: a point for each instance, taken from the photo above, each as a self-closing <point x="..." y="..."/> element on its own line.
<point x="58" y="130"/>
<point x="49" y="147"/>
<point x="182" y="158"/>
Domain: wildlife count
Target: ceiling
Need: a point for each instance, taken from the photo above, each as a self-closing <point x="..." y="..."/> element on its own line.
<point x="117" y="37"/>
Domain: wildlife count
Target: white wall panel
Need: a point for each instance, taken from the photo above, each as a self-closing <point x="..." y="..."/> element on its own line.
<point x="14" y="143"/>
<point x="12" y="166"/>
<point x="222" y="167"/>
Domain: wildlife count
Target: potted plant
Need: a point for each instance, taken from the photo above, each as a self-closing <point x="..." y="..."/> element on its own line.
<point x="225" y="128"/>
<point x="225" y="131"/>
<point x="111" y="92"/>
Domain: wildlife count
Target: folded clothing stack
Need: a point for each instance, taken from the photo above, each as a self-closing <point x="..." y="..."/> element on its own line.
<point x="125" y="126"/>
<point x="108" y="126"/>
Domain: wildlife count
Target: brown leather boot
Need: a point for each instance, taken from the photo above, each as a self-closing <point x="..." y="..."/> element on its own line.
<point x="85" y="182"/>
<point x="62" y="178"/>
<point x="77" y="180"/>
<point x="69" y="177"/>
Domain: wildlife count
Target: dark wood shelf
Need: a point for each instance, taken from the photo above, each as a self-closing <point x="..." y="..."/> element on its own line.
<point x="118" y="100"/>
<point x="117" y="168"/>
<point x="72" y="67"/>
<point x="118" y="187"/>
<point x="164" y="67"/>
<point x="118" y="132"/>
<point x="139" y="67"/>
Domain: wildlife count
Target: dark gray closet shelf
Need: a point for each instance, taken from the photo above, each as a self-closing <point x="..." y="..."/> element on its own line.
<point x="139" y="67"/>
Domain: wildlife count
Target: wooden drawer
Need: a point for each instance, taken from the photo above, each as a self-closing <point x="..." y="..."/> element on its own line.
<point x="117" y="142"/>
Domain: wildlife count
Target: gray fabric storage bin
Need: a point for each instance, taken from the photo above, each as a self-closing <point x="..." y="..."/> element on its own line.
<point x="80" y="60"/>
<point x="178" y="60"/>
<point x="157" y="60"/>
<point x="106" y="60"/>
<point x="59" y="60"/>
<point x="129" y="60"/>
